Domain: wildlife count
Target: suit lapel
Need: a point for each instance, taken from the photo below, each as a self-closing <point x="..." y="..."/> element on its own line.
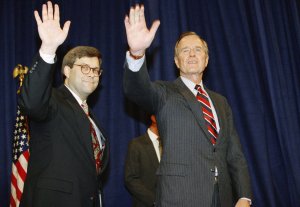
<point x="194" y="105"/>
<point x="150" y="150"/>
<point x="82" y="126"/>
<point x="221" y="118"/>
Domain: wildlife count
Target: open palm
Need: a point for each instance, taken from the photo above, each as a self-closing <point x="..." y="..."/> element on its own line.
<point x="139" y="37"/>
<point x="50" y="32"/>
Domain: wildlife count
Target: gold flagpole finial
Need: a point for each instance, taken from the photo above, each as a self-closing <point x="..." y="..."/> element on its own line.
<point x="20" y="71"/>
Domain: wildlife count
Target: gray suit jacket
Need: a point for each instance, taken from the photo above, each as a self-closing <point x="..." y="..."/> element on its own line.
<point x="185" y="176"/>
<point x="140" y="167"/>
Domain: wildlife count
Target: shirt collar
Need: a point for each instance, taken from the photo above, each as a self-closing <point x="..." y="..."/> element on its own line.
<point x="78" y="99"/>
<point x="190" y="84"/>
<point x="152" y="136"/>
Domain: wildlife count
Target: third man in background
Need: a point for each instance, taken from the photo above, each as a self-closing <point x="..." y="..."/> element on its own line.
<point x="142" y="160"/>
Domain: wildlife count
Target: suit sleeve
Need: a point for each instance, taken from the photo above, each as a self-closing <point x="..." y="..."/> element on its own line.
<point x="133" y="176"/>
<point x="236" y="160"/>
<point x="139" y="89"/>
<point x="36" y="91"/>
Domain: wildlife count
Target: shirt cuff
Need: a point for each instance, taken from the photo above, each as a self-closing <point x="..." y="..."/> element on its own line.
<point x="47" y="58"/>
<point x="134" y="65"/>
<point x="247" y="200"/>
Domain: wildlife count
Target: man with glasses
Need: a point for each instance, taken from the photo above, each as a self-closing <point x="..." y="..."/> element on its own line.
<point x="68" y="150"/>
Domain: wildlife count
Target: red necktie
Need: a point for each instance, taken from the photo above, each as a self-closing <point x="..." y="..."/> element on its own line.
<point x="202" y="97"/>
<point x="95" y="143"/>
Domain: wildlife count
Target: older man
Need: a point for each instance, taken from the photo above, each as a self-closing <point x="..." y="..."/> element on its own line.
<point x="203" y="163"/>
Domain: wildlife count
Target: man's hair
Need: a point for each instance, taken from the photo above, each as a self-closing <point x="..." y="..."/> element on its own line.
<point x="79" y="52"/>
<point x="188" y="34"/>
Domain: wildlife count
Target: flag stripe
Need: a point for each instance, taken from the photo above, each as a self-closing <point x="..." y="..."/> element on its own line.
<point x="20" y="173"/>
<point x="20" y="158"/>
<point x="12" y="201"/>
<point x="17" y="183"/>
<point x="13" y="196"/>
<point x="23" y="161"/>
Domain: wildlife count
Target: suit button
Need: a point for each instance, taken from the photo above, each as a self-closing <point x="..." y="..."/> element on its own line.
<point x="92" y="198"/>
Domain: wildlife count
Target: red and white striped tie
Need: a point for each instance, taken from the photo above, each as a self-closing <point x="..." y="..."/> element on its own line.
<point x="202" y="97"/>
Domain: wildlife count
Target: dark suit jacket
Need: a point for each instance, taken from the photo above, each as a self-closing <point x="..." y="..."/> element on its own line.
<point x="185" y="173"/>
<point x="140" y="167"/>
<point x="61" y="170"/>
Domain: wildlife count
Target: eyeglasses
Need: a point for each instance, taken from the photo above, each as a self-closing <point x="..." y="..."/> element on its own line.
<point x="85" y="69"/>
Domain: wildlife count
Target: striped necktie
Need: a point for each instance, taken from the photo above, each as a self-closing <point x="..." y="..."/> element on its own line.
<point x="202" y="97"/>
<point x="95" y="143"/>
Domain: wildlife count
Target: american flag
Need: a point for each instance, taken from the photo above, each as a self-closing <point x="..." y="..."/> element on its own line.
<point x="20" y="158"/>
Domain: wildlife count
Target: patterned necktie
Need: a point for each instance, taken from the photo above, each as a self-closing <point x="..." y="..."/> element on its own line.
<point x="202" y="97"/>
<point x="95" y="142"/>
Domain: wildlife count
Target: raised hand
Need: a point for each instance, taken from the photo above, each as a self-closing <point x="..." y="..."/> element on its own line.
<point x="242" y="203"/>
<point x="139" y="37"/>
<point x="49" y="28"/>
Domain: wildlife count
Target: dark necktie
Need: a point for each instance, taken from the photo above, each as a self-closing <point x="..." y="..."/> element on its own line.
<point x="202" y="97"/>
<point x="95" y="143"/>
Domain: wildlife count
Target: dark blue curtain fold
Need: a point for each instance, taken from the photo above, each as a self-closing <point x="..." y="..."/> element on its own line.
<point x="254" y="50"/>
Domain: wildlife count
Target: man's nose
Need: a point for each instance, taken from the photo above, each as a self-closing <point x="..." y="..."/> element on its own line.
<point x="192" y="52"/>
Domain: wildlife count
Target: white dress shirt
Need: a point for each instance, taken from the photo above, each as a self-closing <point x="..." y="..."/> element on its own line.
<point x="155" y="142"/>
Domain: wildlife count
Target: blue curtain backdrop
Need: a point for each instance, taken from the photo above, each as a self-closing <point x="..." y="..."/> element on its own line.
<point x="254" y="58"/>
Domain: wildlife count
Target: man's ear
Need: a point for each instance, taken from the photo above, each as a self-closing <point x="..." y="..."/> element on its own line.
<point x="206" y="61"/>
<point x="176" y="61"/>
<point x="67" y="70"/>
